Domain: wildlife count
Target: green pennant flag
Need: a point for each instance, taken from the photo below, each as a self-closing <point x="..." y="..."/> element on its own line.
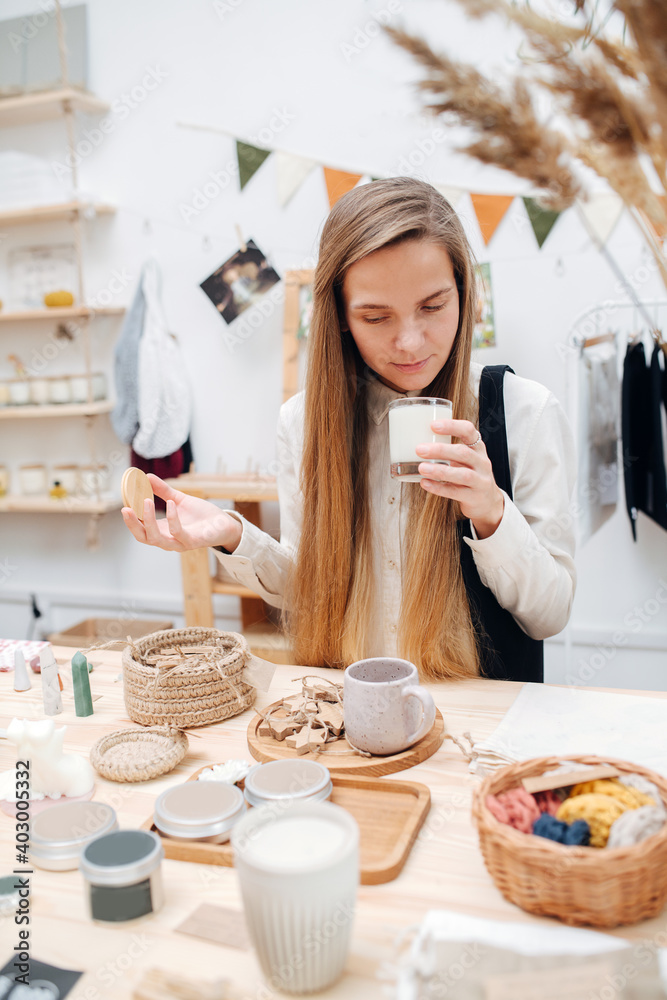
<point x="542" y="219"/>
<point x="250" y="160"/>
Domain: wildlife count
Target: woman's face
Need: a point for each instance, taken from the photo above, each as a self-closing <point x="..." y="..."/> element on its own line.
<point x="402" y="308"/>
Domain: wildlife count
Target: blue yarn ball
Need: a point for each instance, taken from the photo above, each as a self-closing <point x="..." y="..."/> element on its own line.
<point x="550" y="827"/>
<point x="578" y="833"/>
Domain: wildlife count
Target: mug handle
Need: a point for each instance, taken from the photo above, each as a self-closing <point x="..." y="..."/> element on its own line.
<point x="428" y="708"/>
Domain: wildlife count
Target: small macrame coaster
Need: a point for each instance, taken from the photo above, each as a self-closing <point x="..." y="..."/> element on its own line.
<point x="139" y="754"/>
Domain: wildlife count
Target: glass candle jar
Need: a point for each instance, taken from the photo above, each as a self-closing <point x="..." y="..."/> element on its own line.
<point x="4" y="394"/>
<point x="286" y="781"/>
<point x="32" y="479"/>
<point x="19" y="391"/>
<point x="60" y="390"/>
<point x="39" y="391"/>
<point x="59" y="834"/>
<point x="123" y="875"/>
<point x="93" y="479"/>
<point x="99" y="380"/>
<point x="199" y="810"/>
<point x="67" y="476"/>
<point x="79" y="388"/>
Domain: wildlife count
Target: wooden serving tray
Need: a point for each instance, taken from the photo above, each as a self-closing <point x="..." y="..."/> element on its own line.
<point x="390" y="814"/>
<point x="337" y="759"/>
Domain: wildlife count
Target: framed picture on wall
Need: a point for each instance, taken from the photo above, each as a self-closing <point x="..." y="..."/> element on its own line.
<point x="485" y="328"/>
<point x="296" y="325"/>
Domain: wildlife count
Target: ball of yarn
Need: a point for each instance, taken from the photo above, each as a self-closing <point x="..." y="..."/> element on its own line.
<point x="516" y="807"/>
<point x="643" y="784"/>
<point x="599" y="811"/>
<point x="578" y="834"/>
<point x="572" y="834"/>
<point x="550" y="827"/>
<point x="630" y="798"/>
<point x="548" y="802"/>
<point x="636" y="825"/>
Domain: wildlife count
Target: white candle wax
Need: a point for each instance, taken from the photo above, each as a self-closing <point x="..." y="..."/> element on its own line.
<point x="296" y="842"/>
<point x="409" y="426"/>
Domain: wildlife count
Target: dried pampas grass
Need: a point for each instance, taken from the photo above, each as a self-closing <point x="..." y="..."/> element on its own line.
<point x="613" y="91"/>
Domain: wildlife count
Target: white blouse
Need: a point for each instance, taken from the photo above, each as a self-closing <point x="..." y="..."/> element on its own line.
<point x="528" y="562"/>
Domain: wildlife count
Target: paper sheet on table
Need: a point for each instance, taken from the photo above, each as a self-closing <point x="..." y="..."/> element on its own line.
<point x="465" y="957"/>
<point x="552" y="721"/>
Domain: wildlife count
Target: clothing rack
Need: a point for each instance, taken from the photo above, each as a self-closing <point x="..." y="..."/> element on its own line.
<point x="595" y="325"/>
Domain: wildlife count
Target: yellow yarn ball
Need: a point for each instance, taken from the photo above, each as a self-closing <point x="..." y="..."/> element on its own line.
<point x="60" y="298"/>
<point x="631" y="798"/>
<point x="599" y="811"/>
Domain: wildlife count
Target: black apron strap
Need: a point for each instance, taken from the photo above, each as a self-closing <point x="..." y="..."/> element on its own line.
<point x="505" y="651"/>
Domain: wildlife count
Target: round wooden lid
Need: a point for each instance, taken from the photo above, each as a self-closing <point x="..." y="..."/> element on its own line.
<point x="136" y="488"/>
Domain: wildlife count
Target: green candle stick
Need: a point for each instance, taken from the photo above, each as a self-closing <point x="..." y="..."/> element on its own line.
<point x="83" y="702"/>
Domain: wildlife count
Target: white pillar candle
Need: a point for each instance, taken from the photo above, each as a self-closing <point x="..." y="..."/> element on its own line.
<point x="52" y="772"/>
<point x="53" y="702"/>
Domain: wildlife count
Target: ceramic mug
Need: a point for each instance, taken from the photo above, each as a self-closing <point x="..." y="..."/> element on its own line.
<point x="384" y="707"/>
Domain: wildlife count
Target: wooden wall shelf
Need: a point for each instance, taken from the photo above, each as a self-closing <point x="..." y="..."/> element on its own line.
<point x="17" y="504"/>
<point x="62" y="211"/>
<point x="51" y="410"/>
<point x="59" y="312"/>
<point x="26" y="109"/>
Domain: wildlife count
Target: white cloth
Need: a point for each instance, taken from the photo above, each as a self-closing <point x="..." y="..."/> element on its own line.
<point x="462" y="956"/>
<point x="165" y="401"/>
<point x="527" y="562"/>
<point x="598" y="417"/>
<point x="547" y="721"/>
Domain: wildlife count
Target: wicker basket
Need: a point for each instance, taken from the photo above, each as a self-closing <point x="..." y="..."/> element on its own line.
<point x="579" y="885"/>
<point x="185" y="691"/>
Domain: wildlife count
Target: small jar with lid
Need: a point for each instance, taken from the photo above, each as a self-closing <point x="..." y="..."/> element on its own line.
<point x="199" y="810"/>
<point x="286" y="781"/>
<point x="123" y="875"/>
<point x="59" y="834"/>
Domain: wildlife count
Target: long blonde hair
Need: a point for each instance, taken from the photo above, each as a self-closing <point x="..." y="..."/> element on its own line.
<point x="331" y="587"/>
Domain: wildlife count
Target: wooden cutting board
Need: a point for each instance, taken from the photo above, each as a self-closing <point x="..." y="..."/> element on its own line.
<point x="344" y="761"/>
<point x="390" y="814"/>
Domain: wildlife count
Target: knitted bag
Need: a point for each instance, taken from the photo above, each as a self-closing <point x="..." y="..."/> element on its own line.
<point x="185" y="678"/>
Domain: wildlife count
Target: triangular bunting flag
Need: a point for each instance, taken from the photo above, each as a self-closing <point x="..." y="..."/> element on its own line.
<point x="291" y="172"/>
<point x="339" y="182"/>
<point x="601" y="212"/>
<point x="250" y="160"/>
<point x="541" y="219"/>
<point x="452" y="194"/>
<point x="490" y="209"/>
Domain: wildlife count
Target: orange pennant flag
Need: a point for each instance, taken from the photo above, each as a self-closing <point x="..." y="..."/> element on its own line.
<point x="490" y="209"/>
<point x="339" y="183"/>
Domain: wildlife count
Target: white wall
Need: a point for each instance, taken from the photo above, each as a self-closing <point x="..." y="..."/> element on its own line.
<point x="336" y="92"/>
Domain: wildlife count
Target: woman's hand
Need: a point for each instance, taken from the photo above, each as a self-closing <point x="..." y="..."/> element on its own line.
<point x="191" y="523"/>
<point x="468" y="478"/>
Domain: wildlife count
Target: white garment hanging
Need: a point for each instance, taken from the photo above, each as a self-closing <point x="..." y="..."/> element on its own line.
<point x="165" y="400"/>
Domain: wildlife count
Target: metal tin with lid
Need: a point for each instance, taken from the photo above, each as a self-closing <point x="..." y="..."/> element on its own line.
<point x="199" y="810"/>
<point x="123" y="874"/>
<point x="288" y="780"/>
<point x="60" y="833"/>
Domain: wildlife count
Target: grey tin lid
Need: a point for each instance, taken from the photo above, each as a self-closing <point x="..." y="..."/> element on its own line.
<point x="121" y="858"/>
<point x="59" y="834"/>
<point x="288" y="780"/>
<point x="196" y="809"/>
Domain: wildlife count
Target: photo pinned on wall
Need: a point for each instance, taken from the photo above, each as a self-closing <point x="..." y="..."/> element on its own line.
<point x="240" y="282"/>
<point x="485" y="330"/>
<point x="305" y="311"/>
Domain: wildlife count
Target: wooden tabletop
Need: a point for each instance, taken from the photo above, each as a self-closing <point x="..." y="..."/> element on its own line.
<point x="444" y="870"/>
<point x="239" y="487"/>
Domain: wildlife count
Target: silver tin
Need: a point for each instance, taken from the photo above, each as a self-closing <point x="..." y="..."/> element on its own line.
<point x="288" y="780"/>
<point x="199" y="810"/>
<point x="123" y="874"/>
<point x="59" y="833"/>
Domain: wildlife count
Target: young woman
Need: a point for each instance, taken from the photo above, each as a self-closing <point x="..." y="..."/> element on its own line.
<point x="463" y="573"/>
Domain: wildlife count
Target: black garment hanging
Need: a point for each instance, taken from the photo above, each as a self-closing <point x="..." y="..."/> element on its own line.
<point x="643" y="395"/>
<point x="505" y="651"/>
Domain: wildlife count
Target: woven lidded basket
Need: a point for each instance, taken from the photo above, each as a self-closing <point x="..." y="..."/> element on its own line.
<point x="603" y="887"/>
<point x="165" y="685"/>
